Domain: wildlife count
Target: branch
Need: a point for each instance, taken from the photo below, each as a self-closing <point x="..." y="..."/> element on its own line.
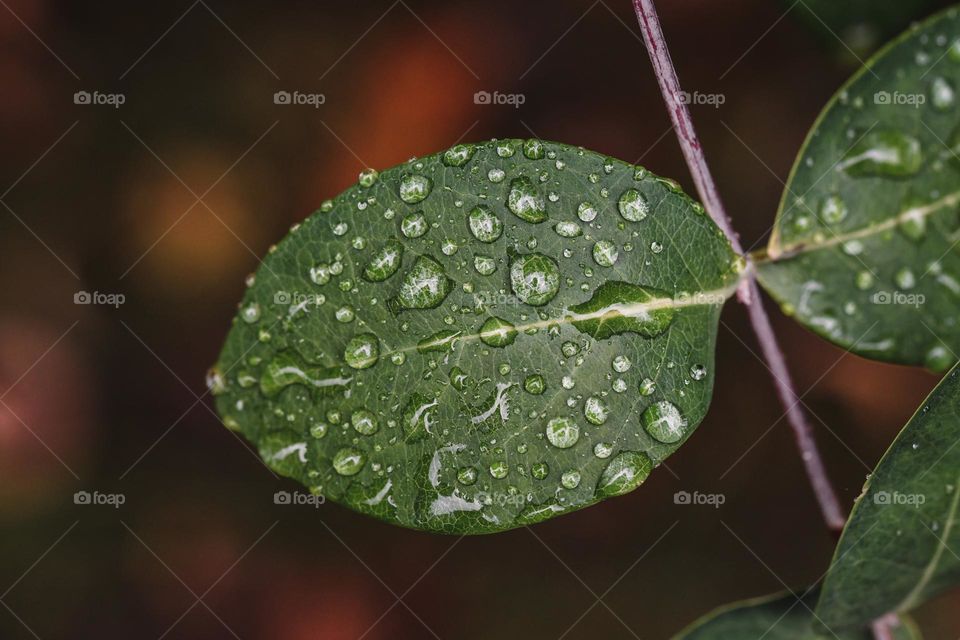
<point x="749" y="292"/>
<point x="883" y="628"/>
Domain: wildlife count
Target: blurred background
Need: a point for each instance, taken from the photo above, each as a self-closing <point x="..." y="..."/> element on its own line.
<point x="148" y="164"/>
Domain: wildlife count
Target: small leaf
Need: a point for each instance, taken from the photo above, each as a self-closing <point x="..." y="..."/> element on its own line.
<point x="778" y="617"/>
<point x="900" y="545"/>
<point x="429" y="350"/>
<point x="864" y="250"/>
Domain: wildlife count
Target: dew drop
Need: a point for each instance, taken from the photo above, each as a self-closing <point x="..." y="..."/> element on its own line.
<point x="364" y="422"/>
<point x="484" y="224"/>
<point x="883" y="153"/>
<point x="384" y="263"/>
<point x="534" y="384"/>
<point x="525" y="201"/>
<point x="623" y="474"/>
<point x="664" y="422"/>
<point x="570" y="479"/>
<point x="362" y="351"/>
<point x="535" y="278"/>
<point x="413" y="225"/>
<point x="633" y="205"/>
<point x="497" y="332"/>
<point x="595" y="410"/>
<point x="562" y="433"/>
<point x="424" y="286"/>
<point x="415" y="188"/>
<point x="458" y="155"/>
<point x="605" y="253"/>
<point x="586" y="212"/>
<point x="348" y="461"/>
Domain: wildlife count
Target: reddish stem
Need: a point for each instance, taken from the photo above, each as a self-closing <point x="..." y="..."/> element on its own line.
<point x="749" y="292"/>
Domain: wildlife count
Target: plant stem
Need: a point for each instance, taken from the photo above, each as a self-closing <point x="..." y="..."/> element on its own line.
<point x="749" y="292"/>
<point x="883" y="627"/>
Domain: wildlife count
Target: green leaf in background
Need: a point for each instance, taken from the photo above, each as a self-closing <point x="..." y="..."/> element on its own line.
<point x="856" y="27"/>
<point x="864" y="251"/>
<point x="900" y="546"/>
<point x="482" y="338"/>
<point x="777" y="617"/>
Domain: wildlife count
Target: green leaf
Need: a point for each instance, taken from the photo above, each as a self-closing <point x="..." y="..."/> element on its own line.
<point x="482" y="338"/>
<point x="777" y="617"/>
<point x="855" y="27"/>
<point x="900" y="546"/>
<point x="863" y="250"/>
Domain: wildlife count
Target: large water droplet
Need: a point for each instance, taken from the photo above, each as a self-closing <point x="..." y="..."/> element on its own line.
<point x="605" y="253"/>
<point x="621" y="307"/>
<point x="484" y="224"/>
<point x="586" y="212"/>
<point x="285" y="369"/>
<point x="533" y="149"/>
<point x="413" y="225"/>
<point x="633" y="205"/>
<point x="384" y="263"/>
<point x="570" y="479"/>
<point x="534" y="384"/>
<point x="525" y="201"/>
<point x="414" y="188"/>
<point x="562" y="433"/>
<point x="368" y="177"/>
<point x="458" y="155"/>
<point x="362" y="351"/>
<point x="535" y="278"/>
<point x="883" y="153"/>
<point x="664" y="422"/>
<point x="364" y="422"/>
<point x="440" y="341"/>
<point x="595" y="410"/>
<point x="424" y="286"/>
<point x="623" y="474"/>
<point x="348" y="461"/>
<point x="497" y="332"/>
<point x="419" y="416"/>
<point x="485" y="265"/>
